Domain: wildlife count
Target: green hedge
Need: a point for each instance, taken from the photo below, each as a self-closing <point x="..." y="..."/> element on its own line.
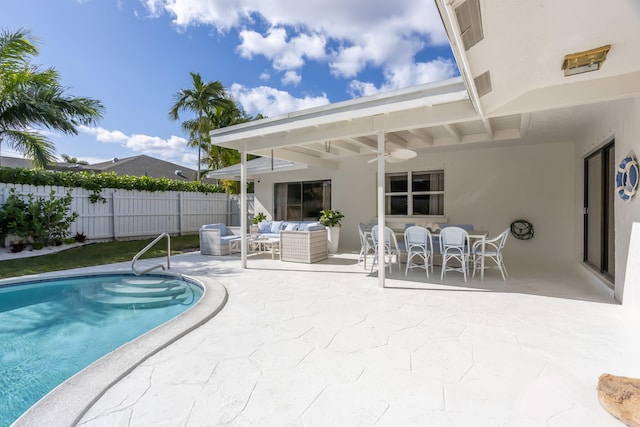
<point x="98" y="181"/>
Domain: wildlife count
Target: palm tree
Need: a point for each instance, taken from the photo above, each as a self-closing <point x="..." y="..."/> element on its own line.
<point x="203" y="99"/>
<point x="217" y="157"/>
<point x="31" y="98"/>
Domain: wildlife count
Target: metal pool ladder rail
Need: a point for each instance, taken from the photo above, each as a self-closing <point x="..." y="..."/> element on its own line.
<point x="146" y="248"/>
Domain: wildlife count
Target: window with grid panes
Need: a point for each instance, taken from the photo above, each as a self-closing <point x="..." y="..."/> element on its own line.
<point x="301" y="201"/>
<point x="414" y="193"/>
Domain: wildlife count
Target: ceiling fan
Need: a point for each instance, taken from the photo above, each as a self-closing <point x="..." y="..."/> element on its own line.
<point x="397" y="155"/>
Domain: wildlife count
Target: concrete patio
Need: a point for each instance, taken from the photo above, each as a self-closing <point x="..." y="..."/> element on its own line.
<point x="321" y="344"/>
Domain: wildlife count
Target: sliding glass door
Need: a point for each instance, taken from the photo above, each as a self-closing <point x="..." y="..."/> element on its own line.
<point x="599" y="186"/>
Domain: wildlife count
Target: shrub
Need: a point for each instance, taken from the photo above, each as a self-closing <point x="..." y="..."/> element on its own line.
<point x="97" y="181"/>
<point x="45" y="221"/>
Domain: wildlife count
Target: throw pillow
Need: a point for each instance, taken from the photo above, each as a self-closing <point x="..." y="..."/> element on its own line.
<point x="292" y="226"/>
<point x="264" y="227"/>
<point x="276" y="226"/>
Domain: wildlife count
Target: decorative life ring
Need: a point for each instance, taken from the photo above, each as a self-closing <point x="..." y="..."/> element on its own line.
<point x="522" y="229"/>
<point x="627" y="178"/>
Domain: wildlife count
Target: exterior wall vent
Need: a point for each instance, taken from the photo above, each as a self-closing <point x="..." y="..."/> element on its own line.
<point x="483" y="83"/>
<point x="470" y="22"/>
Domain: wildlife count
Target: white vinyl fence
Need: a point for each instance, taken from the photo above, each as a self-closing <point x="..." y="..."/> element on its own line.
<point x="128" y="214"/>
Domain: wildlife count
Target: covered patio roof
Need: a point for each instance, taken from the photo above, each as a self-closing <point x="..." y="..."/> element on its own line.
<point x="257" y="166"/>
<point x="416" y="118"/>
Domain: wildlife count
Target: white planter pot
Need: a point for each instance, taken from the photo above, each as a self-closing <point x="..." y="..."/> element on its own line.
<point x="333" y="236"/>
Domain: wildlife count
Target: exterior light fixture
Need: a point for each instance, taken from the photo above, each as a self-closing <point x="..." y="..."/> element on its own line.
<point x="583" y="62"/>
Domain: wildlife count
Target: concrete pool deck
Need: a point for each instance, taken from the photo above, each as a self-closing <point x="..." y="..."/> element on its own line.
<point x="321" y="344"/>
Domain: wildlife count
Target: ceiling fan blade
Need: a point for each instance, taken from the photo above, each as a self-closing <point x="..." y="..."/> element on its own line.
<point x="391" y="159"/>
<point x="402" y="154"/>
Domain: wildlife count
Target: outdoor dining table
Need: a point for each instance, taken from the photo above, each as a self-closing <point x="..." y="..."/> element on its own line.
<point x="473" y="235"/>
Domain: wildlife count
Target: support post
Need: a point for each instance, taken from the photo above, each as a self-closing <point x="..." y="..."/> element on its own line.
<point x="243" y="208"/>
<point x="381" y="218"/>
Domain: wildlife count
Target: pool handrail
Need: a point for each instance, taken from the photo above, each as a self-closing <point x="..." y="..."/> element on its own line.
<point x="146" y="248"/>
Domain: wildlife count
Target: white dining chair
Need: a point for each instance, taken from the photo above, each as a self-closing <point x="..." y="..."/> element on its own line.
<point x="391" y="248"/>
<point x="419" y="244"/>
<point x="454" y="246"/>
<point x="492" y="251"/>
<point x="366" y="243"/>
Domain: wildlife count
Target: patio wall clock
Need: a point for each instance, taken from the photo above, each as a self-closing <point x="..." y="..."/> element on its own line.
<point x="627" y="178"/>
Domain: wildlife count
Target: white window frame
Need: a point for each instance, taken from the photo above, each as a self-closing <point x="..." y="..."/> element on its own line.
<point x="410" y="193"/>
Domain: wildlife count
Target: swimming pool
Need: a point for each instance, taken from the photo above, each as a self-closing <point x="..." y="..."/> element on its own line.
<point x="51" y="329"/>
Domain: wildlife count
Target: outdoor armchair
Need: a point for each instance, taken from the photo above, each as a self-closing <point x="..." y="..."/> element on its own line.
<point x="391" y="248"/>
<point x="454" y="245"/>
<point x="419" y="244"/>
<point x="366" y="243"/>
<point x="493" y="251"/>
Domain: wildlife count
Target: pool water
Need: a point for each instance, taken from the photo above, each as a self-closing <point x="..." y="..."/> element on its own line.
<point x="50" y="330"/>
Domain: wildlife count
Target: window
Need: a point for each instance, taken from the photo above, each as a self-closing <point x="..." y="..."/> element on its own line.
<point x="414" y="193"/>
<point x="301" y="201"/>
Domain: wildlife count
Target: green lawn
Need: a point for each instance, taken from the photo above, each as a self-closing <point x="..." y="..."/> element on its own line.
<point x="95" y="254"/>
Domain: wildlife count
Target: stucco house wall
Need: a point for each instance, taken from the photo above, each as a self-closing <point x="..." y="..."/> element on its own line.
<point x="619" y="120"/>
<point x="488" y="187"/>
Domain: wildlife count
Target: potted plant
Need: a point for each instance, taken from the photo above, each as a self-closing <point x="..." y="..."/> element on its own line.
<point x="332" y="219"/>
<point x="257" y="218"/>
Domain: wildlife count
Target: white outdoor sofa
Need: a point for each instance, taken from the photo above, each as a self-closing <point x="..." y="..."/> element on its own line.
<point x="304" y="242"/>
<point x="215" y="238"/>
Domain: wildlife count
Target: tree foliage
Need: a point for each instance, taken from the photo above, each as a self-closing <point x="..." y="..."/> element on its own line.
<point x="68" y="159"/>
<point x="203" y="100"/>
<point x="32" y="98"/>
<point x="98" y="181"/>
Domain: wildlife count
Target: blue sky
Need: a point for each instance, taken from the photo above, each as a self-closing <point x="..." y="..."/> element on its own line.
<point x="273" y="57"/>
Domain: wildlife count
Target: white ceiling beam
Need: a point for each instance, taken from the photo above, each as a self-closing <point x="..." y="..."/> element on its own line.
<point x="285" y="154"/>
<point x="368" y="143"/>
<point x="423" y="136"/>
<point x="396" y="140"/>
<point x="342" y="145"/>
<point x="325" y="149"/>
<point x="487" y="127"/>
<point x="500" y="135"/>
<point x="453" y="131"/>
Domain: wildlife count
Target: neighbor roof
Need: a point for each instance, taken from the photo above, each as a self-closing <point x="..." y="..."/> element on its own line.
<point x="143" y="165"/>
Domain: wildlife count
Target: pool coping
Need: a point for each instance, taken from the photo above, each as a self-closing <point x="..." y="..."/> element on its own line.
<point x="69" y="401"/>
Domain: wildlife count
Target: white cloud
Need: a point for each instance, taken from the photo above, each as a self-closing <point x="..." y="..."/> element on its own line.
<point x="264" y="76"/>
<point x="349" y="35"/>
<point x="172" y="149"/>
<point x="285" y="54"/>
<point x="272" y="102"/>
<point x="104" y="135"/>
<point x="406" y="75"/>
<point x="291" y="78"/>
<point x="155" y="7"/>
